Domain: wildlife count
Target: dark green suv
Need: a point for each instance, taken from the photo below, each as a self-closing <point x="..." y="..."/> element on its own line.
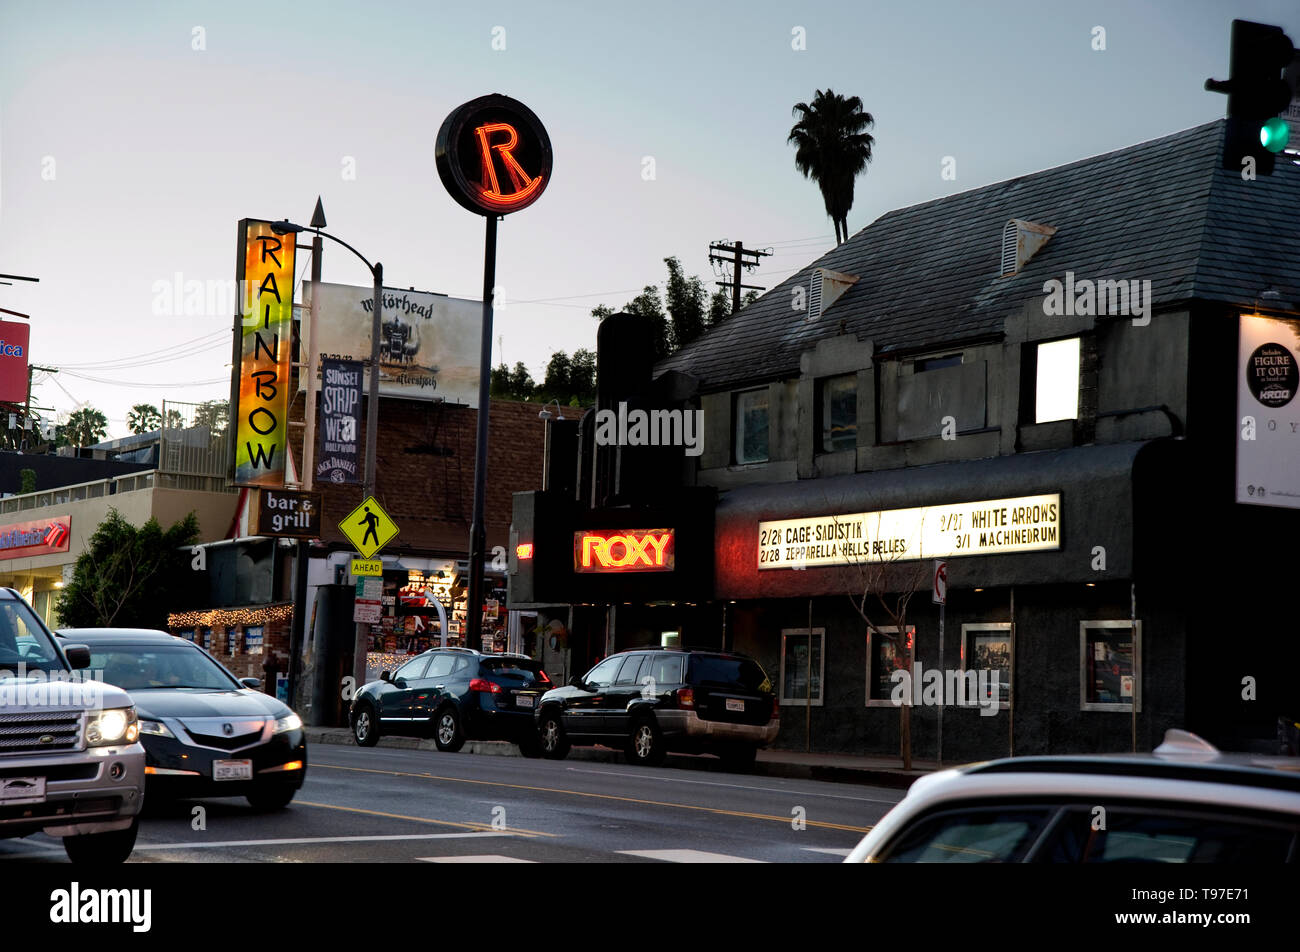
<point x="650" y="701"/>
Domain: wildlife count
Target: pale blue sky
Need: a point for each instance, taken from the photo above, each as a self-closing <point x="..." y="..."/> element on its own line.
<point x="157" y="149"/>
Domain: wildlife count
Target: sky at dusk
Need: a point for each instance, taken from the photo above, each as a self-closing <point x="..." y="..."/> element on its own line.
<point x="134" y="136"/>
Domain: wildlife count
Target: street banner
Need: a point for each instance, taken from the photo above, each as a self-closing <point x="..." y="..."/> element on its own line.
<point x="336" y="433"/>
<point x="1268" y="413"/>
<point x="428" y="346"/>
<point x="265" y="333"/>
<point x="13" y="361"/>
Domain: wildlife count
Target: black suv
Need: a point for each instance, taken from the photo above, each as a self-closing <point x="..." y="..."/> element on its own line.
<point x="456" y="694"/>
<point x="653" y="700"/>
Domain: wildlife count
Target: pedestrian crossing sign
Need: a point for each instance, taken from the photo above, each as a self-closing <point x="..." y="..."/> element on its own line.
<point x="368" y="527"/>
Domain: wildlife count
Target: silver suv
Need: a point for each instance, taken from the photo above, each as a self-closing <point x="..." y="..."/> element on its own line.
<point x="71" y="763"/>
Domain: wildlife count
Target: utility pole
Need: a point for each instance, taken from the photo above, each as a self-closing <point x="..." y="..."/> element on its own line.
<point x="737" y="255"/>
<point x="27" y="414"/>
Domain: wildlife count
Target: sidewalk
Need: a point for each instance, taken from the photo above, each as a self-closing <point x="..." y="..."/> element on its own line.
<point x="839" y="768"/>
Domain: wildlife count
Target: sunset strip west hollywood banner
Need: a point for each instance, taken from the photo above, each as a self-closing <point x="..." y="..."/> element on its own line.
<point x="265" y="335"/>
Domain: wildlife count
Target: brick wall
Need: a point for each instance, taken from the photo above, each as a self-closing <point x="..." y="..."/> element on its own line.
<point x="426" y="470"/>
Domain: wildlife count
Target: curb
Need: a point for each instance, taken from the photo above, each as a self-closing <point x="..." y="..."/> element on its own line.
<point x="893" y="778"/>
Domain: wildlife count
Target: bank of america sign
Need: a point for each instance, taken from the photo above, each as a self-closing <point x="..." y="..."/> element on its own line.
<point x="986" y="527"/>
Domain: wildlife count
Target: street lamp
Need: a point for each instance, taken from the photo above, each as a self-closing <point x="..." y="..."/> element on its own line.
<point x="287" y="227"/>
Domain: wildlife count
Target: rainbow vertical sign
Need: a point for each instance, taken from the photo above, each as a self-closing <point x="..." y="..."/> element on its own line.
<point x="265" y="338"/>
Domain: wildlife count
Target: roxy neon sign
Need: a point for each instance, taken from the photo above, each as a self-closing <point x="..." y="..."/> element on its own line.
<point x="629" y="550"/>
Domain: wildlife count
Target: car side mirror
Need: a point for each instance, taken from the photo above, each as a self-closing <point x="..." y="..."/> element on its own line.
<point x="385" y="675"/>
<point x="78" y="656"/>
<point x="254" y="683"/>
<point x="577" y="682"/>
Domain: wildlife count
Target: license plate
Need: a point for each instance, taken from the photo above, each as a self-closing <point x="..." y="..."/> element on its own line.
<point x="524" y="700"/>
<point x="232" y="770"/>
<point x="22" y="789"/>
<point x="735" y="704"/>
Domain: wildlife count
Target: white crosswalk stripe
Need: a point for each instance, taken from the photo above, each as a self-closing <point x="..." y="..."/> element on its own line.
<point x="688" y="856"/>
<point x="486" y="858"/>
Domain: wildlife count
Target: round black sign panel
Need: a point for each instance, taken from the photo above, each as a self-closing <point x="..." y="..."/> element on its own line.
<point x="493" y="155"/>
<point x="1272" y="375"/>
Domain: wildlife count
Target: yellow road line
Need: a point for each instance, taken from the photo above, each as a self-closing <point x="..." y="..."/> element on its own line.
<point x="476" y="827"/>
<point x="604" y="796"/>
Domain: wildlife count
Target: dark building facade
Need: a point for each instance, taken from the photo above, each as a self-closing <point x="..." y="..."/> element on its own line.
<point x="1036" y="382"/>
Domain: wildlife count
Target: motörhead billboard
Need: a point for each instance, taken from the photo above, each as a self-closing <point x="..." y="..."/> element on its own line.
<point x="428" y="344"/>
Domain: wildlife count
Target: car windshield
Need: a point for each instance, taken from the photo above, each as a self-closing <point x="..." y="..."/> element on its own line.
<point x="729" y="672"/>
<point x="134" y="667"/>
<point x="24" y="645"/>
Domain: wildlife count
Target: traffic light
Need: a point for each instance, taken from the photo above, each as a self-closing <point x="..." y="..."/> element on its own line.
<point x="1257" y="92"/>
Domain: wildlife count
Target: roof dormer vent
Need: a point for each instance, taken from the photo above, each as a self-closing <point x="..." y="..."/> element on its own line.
<point x="825" y="288"/>
<point x="1020" y="242"/>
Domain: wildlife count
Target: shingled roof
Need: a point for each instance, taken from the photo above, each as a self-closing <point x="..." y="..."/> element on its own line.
<point x="1161" y="210"/>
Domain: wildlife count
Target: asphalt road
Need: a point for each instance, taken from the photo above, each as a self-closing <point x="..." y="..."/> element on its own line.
<point x="388" y="805"/>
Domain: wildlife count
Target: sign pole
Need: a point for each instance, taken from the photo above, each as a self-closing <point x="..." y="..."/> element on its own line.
<point x="478" y="532"/>
<point x="939" y="593"/>
<point x="362" y="643"/>
<point x="298" y="633"/>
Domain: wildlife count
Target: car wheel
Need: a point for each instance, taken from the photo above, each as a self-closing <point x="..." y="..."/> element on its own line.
<point x="645" y="745"/>
<point x="739" y="758"/>
<point x="365" y="726"/>
<point x="271" y="798"/>
<point x="551" y="736"/>
<point x="102" y="848"/>
<point x="530" y="745"/>
<point x="446" y="731"/>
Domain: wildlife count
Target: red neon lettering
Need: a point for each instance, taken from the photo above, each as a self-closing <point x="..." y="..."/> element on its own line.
<point x="524" y="550"/>
<point x="648" y="549"/>
<point x="524" y="184"/>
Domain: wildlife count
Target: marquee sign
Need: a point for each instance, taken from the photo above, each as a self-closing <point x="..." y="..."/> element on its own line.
<point x="265" y="334"/>
<point x="624" y="550"/>
<point x="493" y="155"/>
<point x="23" y="540"/>
<point x="987" y="527"/>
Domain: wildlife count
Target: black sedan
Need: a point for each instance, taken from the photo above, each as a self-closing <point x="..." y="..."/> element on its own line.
<point x="205" y="733"/>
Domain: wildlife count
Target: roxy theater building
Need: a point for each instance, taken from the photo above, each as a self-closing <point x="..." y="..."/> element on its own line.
<point x="1074" y="387"/>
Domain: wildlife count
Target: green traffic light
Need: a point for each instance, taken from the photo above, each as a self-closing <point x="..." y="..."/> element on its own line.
<point x="1273" y="134"/>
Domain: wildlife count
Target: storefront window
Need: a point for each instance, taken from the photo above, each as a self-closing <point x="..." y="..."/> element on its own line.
<point x="987" y="648"/>
<point x="207" y="639"/>
<point x="886" y="653"/>
<point x="802" y="665"/>
<point x="838" y="403"/>
<point x="253" y="640"/>
<point x="751" y="427"/>
<point x="232" y="642"/>
<point x="1110" y="665"/>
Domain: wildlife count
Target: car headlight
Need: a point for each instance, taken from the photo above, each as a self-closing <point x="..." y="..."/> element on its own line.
<point x="157" y="728"/>
<point x="290" y="722"/>
<point x="117" y="725"/>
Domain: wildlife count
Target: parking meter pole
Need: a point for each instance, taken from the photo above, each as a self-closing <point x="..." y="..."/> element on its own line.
<point x="478" y="532"/>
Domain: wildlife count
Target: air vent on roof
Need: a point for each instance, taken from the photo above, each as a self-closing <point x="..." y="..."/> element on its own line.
<point x="1020" y="242"/>
<point x="825" y="289"/>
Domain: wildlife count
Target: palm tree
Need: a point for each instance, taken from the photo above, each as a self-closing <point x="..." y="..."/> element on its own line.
<point x="143" y="418"/>
<point x="833" y="148"/>
<point x="86" y="426"/>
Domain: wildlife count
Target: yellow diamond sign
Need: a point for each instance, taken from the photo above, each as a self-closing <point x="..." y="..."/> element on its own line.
<point x="368" y="527"/>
